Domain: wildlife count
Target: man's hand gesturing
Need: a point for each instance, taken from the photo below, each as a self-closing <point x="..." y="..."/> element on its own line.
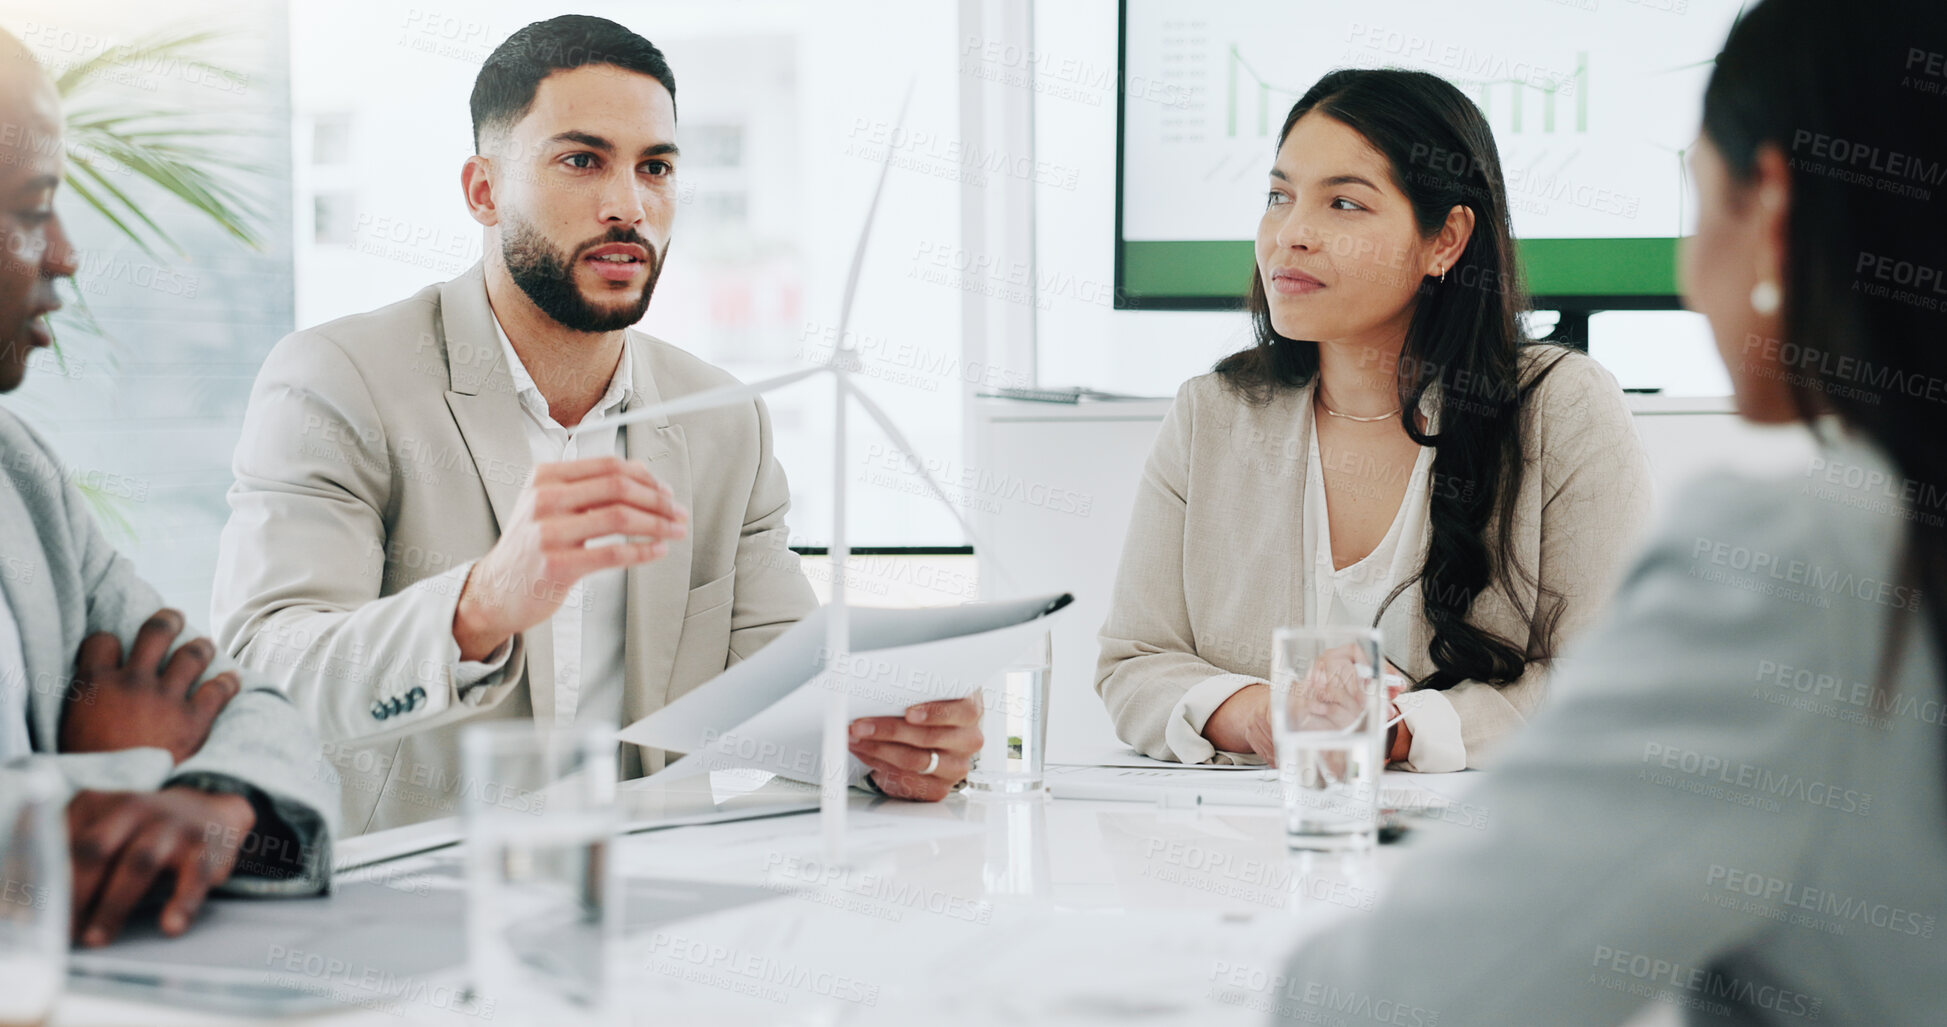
<point x="544" y="550"/>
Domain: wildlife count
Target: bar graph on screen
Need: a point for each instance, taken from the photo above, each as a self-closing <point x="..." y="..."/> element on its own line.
<point x="1591" y="111"/>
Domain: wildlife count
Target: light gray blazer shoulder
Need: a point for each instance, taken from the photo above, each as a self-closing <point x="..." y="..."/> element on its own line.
<point x="1737" y="800"/>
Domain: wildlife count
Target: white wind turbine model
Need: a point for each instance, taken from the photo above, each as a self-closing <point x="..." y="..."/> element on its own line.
<point x="842" y="365"/>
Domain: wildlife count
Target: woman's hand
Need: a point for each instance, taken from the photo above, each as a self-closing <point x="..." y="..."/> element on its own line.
<point x="1243" y="723"/>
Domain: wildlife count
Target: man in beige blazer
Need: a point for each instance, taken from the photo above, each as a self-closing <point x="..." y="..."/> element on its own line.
<point x="416" y="542"/>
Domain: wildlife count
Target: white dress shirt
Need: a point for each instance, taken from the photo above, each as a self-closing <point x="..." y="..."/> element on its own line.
<point x="588" y="630"/>
<point x="1350" y="596"/>
<point x="14" y="743"/>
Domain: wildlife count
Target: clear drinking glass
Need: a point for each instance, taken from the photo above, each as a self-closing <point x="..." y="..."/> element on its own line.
<point x="1328" y="699"/>
<point x="543" y="909"/>
<point x="1014" y="726"/>
<point x="33" y="895"/>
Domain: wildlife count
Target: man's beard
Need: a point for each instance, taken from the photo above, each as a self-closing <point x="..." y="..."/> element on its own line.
<point x="548" y="278"/>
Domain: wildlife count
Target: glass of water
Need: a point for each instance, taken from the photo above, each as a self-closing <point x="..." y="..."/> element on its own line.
<point x="1328" y="700"/>
<point x="33" y="894"/>
<point x="1014" y="726"/>
<point x="543" y="909"/>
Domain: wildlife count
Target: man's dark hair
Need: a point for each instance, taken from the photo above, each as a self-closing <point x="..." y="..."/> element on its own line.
<point x="505" y="89"/>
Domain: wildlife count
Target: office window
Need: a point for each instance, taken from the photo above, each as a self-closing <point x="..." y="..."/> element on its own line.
<point x="158" y="349"/>
<point x="331" y="140"/>
<point x="331" y="218"/>
<point x="713" y="146"/>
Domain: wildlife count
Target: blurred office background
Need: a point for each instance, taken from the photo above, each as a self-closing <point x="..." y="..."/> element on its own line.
<point x="342" y="126"/>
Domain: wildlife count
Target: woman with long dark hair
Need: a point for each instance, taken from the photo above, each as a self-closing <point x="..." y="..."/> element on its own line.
<point x="1738" y="803"/>
<point x="1391" y="452"/>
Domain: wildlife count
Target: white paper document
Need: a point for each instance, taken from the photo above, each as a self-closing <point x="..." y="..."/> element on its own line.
<point x="768" y="711"/>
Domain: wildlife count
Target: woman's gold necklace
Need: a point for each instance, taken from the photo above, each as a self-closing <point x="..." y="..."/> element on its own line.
<point x="1322" y="405"/>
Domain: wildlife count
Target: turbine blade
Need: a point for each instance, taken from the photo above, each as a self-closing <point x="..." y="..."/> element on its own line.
<point x="708" y="398"/>
<point x="865" y="231"/>
<point x="898" y="438"/>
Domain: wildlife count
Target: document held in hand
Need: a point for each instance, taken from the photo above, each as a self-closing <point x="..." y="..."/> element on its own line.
<point x="768" y="711"/>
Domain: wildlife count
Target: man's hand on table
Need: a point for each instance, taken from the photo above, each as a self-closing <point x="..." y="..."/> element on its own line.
<point x="126" y="846"/>
<point x="900" y="750"/>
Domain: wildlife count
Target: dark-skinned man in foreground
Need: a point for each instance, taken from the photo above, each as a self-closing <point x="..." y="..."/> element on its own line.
<point x="181" y="775"/>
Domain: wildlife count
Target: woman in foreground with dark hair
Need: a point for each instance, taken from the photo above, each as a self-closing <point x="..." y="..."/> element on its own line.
<point x="1390" y="453"/>
<point x="1737" y="802"/>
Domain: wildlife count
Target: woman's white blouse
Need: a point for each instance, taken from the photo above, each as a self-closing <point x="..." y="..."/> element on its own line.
<point x="1351" y="596"/>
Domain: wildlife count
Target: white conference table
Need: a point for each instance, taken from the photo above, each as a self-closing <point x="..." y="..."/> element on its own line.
<point x="968" y="911"/>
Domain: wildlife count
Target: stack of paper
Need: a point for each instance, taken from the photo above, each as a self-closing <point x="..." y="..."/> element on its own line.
<point x="768" y="711"/>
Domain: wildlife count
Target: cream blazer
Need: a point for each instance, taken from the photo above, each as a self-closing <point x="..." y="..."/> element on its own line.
<point x="380" y="455"/>
<point x="1214" y="560"/>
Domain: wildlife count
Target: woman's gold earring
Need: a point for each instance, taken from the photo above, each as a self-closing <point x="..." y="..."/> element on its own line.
<point x="1765" y="297"/>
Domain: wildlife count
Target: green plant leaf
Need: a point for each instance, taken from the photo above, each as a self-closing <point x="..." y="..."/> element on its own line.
<point x="179" y="43"/>
<point x="86" y="168"/>
<point x="161" y="146"/>
<point x="110" y="511"/>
